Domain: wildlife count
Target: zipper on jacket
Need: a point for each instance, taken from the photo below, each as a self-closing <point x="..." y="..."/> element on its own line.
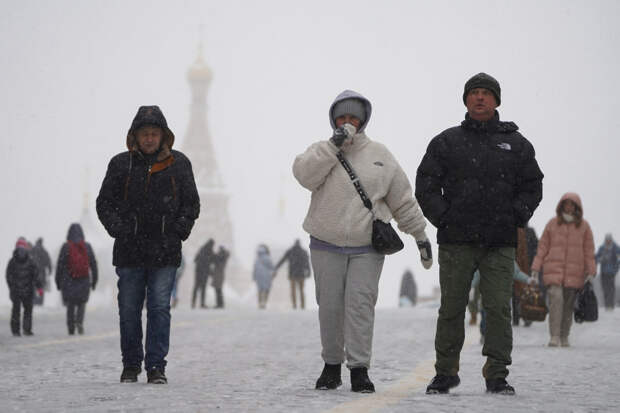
<point x="174" y="188"/>
<point x="148" y="180"/>
<point x="163" y="224"/>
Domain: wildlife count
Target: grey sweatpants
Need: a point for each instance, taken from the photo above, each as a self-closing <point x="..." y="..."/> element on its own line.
<point x="346" y="292"/>
<point x="561" y="309"/>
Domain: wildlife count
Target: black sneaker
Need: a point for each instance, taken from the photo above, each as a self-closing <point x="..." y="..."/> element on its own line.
<point x="80" y="329"/>
<point x="442" y="384"/>
<point x="360" y="382"/>
<point x="28" y="333"/>
<point x="500" y="386"/>
<point x="156" y="375"/>
<point x="330" y="377"/>
<point x="130" y="374"/>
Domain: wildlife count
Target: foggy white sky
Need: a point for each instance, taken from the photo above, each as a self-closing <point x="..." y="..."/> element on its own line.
<point x="74" y="72"/>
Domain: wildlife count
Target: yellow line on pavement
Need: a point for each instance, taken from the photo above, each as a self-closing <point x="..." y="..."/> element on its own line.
<point x="410" y="384"/>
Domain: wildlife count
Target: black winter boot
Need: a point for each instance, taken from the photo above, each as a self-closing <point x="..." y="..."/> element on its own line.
<point x="155" y="375"/>
<point x="500" y="386"/>
<point x="360" y="382"/>
<point x="442" y="384"/>
<point x="330" y="377"/>
<point x="130" y="374"/>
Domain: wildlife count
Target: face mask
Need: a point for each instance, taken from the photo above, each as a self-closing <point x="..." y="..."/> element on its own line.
<point x="568" y="217"/>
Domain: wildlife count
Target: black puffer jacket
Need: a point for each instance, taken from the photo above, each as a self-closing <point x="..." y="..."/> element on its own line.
<point x="75" y="289"/>
<point x="148" y="203"/>
<point x="478" y="182"/>
<point x="22" y="274"/>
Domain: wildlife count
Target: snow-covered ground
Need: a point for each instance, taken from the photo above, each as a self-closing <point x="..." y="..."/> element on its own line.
<point x="243" y="360"/>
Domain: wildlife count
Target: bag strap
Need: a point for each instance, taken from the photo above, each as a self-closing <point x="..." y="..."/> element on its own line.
<point x="356" y="182"/>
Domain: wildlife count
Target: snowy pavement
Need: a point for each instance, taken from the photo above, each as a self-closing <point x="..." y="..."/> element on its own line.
<point x="243" y="360"/>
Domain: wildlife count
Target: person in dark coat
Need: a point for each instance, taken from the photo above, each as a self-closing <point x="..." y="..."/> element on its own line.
<point x="298" y="271"/>
<point x="217" y="279"/>
<point x="22" y="277"/>
<point x="203" y="269"/>
<point x="477" y="183"/>
<point x="75" y="284"/>
<point x="607" y="256"/>
<point x="44" y="263"/>
<point x="148" y="203"/>
<point x="408" y="290"/>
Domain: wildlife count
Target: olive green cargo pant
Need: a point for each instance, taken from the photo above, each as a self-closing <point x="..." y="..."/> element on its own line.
<point x="457" y="264"/>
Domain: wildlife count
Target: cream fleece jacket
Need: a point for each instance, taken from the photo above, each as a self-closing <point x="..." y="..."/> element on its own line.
<point x="337" y="214"/>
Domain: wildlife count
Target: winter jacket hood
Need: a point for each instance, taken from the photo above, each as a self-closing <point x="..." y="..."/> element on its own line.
<point x="151" y="116"/>
<point x="75" y="233"/>
<point x="350" y="94"/>
<point x="578" y="211"/>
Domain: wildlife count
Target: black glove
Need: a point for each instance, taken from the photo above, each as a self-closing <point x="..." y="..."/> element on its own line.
<point x="339" y="136"/>
<point x="426" y="253"/>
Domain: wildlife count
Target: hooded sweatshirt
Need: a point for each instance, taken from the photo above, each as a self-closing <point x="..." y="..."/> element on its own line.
<point x="337" y="214"/>
<point x="566" y="249"/>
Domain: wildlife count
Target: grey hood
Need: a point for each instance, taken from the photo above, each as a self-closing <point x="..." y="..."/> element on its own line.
<point x="349" y="94"/>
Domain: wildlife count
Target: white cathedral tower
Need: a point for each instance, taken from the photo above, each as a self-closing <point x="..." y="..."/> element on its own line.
<point x="214" y="220"/>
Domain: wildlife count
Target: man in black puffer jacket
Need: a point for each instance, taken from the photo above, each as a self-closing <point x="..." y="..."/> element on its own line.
<point x="477" y="183"/>
<point x="22" y="276"/>
<point x="148" y="202"/>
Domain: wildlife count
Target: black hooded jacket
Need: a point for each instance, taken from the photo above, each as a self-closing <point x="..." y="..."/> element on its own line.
<point x="148" y="203"/>
<point x="478" y="182"/>
<point x="22" y="274"/>
<point x="75" y="289"/>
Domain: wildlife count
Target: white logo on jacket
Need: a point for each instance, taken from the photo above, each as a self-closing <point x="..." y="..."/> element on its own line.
<point x="504" y="146"/>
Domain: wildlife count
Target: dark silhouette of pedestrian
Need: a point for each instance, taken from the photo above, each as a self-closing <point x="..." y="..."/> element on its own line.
<point x="298" y="271"/>
<point x="76" y="275"/>
<point x="408" y="290"/>
<point x="22" y="277"/>
<point x="203" y="269"/>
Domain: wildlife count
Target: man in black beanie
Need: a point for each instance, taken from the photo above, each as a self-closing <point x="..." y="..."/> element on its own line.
<point x="477" y="183"/>
<point x="148" y="203"/>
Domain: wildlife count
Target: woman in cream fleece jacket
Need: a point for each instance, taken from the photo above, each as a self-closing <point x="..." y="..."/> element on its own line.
<point x="346" y="267"/>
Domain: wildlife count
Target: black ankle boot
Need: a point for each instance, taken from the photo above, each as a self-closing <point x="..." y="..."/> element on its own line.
<point x="500" y="386"/>
<point x="330" y="377"/>
<point x="130" y="374"/>
<point x="156" y="375"/>
<point x="442" y="384"/>
<point x="360" y="382"/>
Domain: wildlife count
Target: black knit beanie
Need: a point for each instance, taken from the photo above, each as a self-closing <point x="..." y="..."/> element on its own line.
<point x="484" y="81"/>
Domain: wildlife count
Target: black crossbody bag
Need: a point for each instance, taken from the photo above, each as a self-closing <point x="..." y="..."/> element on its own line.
<point x="385" y="240"/>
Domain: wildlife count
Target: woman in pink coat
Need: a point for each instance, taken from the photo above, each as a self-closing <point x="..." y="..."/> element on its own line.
<point x="566" y="252"/>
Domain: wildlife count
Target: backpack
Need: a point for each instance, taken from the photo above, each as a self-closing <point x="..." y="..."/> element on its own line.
<point x="532" y="306"/>
<point x="586" y="306"/>
<point x="78" y="259"/>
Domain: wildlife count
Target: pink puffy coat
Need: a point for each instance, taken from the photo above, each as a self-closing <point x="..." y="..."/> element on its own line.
<point x="566" y="249"/>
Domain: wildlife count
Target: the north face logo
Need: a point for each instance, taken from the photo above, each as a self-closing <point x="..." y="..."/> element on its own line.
<point x="378" y="163"/>
<point x="504" y="146"/>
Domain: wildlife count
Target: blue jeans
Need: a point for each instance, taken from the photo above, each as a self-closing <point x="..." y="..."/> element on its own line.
<point x="133" y="285"/>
